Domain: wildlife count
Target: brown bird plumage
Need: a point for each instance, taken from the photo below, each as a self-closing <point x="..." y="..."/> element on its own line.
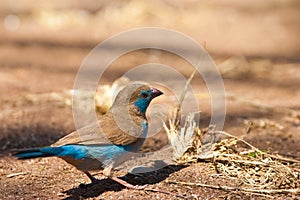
<point x="111" y="132"/>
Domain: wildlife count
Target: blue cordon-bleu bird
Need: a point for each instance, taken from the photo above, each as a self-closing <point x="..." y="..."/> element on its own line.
<point x="105" y="145"/>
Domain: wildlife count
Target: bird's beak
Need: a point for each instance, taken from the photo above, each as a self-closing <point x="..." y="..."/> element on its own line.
<point x="156" y="92"/>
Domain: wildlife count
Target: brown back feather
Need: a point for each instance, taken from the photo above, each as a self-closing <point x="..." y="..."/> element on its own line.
<point x="121" y="125"/>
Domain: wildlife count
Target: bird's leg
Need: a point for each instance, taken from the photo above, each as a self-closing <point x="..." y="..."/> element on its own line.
<point x="93" y="179"/>
<point x="108" y="172"/>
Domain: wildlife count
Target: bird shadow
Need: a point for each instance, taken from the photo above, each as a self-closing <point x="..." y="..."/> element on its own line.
<point x="105" y="185"/>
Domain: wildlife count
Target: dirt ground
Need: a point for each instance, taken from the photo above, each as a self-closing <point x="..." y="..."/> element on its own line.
<point x="255" y="45"/>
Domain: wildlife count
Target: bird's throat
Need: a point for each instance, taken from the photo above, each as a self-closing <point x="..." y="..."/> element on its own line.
<point x="141" y="107"/>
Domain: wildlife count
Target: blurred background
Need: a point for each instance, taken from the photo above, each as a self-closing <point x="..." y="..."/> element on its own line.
<point x="255" y="45"/>
<point x="269" y="28"/>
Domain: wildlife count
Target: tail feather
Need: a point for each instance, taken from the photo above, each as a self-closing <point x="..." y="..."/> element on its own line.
<point x="38" y="152"/>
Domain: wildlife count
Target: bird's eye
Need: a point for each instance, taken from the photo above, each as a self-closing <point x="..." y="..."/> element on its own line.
<point x="144" y="95"/>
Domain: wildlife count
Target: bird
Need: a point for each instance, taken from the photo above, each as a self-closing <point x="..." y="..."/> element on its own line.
<point x="109" y="142"/>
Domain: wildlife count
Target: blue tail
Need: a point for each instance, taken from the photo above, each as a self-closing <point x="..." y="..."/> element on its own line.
<point x="38" y="152"/>
<point x="74" y="151"/>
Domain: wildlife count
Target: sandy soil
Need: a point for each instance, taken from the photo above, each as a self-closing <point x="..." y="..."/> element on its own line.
<point x="259" y="40"/>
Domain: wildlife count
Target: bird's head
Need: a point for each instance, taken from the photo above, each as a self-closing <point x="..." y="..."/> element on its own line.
<point x="137" y="95"/>
<point x="144" y="96"/>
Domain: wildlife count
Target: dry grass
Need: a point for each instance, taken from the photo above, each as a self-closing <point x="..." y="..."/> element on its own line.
<point x="254" y="170"/>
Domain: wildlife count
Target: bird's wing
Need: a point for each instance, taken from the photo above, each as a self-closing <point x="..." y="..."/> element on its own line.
<point x="106" y="131"/>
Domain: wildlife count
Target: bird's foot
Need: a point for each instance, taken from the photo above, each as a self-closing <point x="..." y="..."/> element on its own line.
<point x="93" y="179"/>
<point x="128" y="185"/>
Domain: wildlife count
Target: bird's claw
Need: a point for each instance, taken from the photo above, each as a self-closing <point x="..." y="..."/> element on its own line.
<point x="128" y="185"/>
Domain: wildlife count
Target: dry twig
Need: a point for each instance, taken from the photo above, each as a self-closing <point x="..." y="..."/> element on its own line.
<point x="228" y="188"/>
